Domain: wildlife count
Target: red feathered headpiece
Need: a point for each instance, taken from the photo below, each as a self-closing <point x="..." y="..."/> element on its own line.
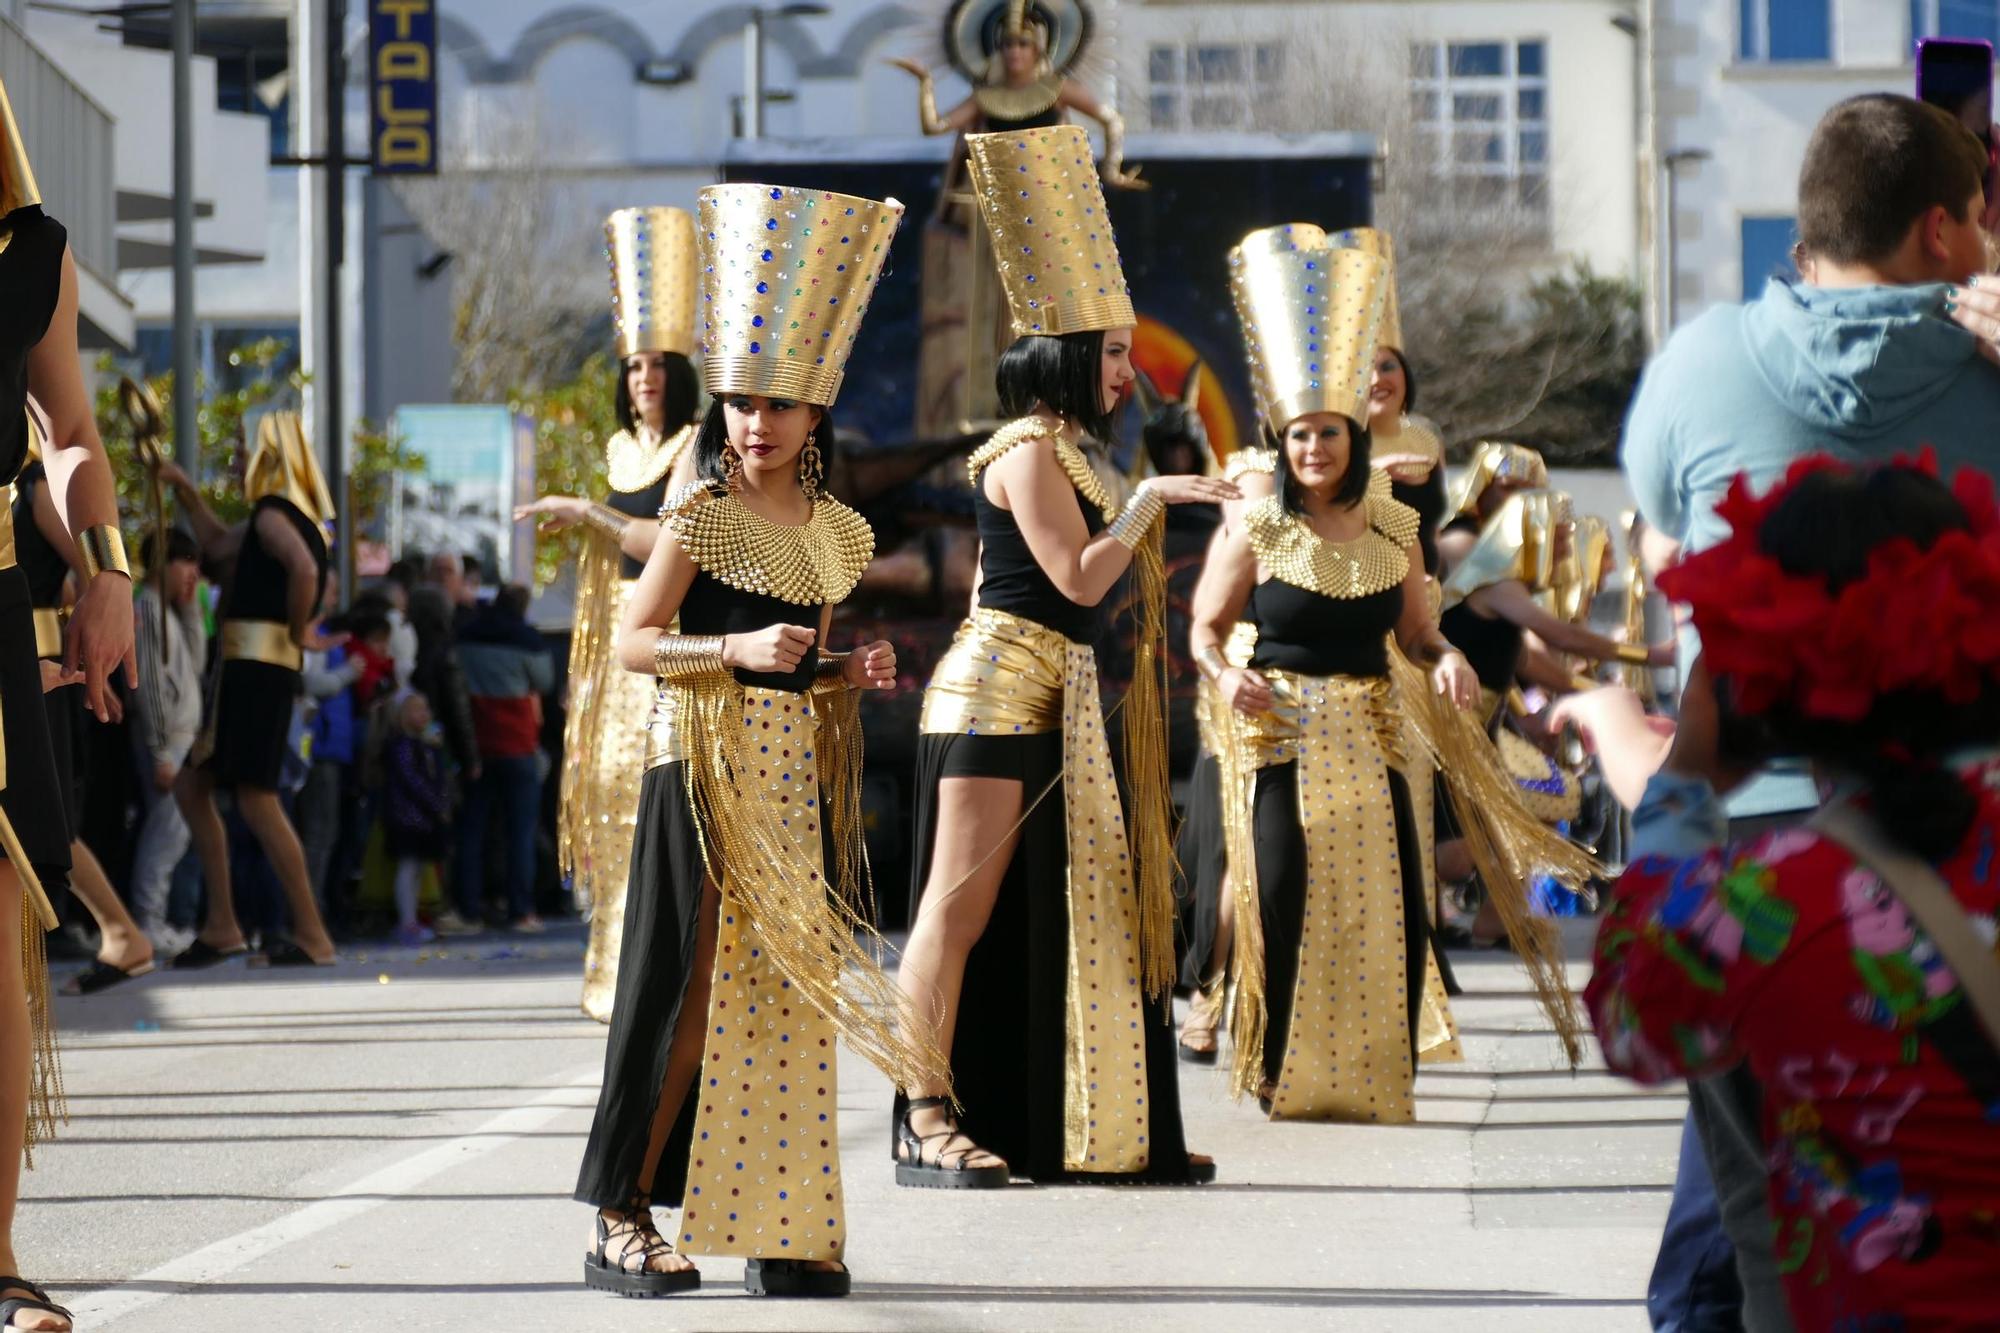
<point x="1918" y="620"/>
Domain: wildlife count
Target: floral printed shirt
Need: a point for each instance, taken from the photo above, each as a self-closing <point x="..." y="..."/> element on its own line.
<point x="1881" y="1088"/>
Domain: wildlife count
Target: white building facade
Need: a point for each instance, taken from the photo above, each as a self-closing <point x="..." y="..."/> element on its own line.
<point x="1738" y="86"/>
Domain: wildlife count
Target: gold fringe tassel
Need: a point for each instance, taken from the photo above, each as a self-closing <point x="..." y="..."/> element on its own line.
<point x="840" y="755"/>
<point x="815" y="937"/>
<point x="47" y="1106"/>
<point x="593" y="650"/>
<point x="1249" y="1015"/>
<point x="1506" y="842"/>
<point x="1149" y="823"/>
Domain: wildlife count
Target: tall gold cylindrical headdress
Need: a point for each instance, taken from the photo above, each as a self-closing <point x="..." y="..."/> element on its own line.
<point x="1310" y="316"/>
<point x="1494" y="461"/>
<point x="786" y="275"/>
<point x="652" y="254"/>
<point x="1042" y="202"/>
<point x="1370" y="240"/>
<point x="17" y="175"/>
<point x="283" y="464"/>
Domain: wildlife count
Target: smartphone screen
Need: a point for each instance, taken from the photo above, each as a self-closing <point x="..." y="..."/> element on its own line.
<point x="1958" y="76"/>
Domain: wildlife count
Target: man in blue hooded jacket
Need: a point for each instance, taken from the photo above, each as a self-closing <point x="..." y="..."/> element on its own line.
<point x="1856" y="357"/>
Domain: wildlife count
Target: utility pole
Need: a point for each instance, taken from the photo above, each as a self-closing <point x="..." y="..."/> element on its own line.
<point x="333" y="445"/>
<point x="753" y="75"/>
<point x="187" y="445"/>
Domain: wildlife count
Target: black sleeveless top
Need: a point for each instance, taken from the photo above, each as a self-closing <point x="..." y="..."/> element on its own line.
<point x="1427" y="498"/>
<point x="1312" y="634"/>
<point x="713" y="607"/>
<point x="258" y="589"/>
<point x="43" y="564"/>
<point x="1010" y="580"/>
<point x="30" y="281"/>
<point x="1491" y="647"/>
<point x="639" y="504"/>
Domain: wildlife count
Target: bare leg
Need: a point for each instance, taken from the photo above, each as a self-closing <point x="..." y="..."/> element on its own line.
<point x="1205" y="1009"/>
<point x="194" y="790"/>
<point x="122" y="945"/>
<point x="975" y="841"/>
<point x="16" y="1065"/>
<point x="267" y="819"/>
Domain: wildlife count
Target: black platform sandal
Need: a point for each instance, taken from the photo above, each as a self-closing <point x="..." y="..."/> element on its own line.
<point x="36" y="1299"/>
<point x="912" y="1170"/>
<point x="607" y="1272"/>
<point x="791" y="1277"/>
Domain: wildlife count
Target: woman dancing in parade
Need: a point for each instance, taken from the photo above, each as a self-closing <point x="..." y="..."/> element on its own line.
<point x="741" y="969"/>
<point x="1043" y="943"/>
<point x="1329" y="943"/>
<point x="652" y="253"/>
<point x="38" y="353"/>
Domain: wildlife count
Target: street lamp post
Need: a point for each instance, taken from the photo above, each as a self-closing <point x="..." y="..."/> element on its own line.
<point x="1672" y="164"/>
<point x="753" y="59"/>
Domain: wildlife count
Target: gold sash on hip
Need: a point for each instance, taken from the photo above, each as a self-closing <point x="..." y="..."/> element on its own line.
<point x="48" y="632"/>
<point x="268" y="641"/>
<point x="1006" y="676"/>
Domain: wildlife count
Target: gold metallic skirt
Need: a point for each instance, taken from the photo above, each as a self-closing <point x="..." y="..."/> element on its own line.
<point x="1006" y="676"/>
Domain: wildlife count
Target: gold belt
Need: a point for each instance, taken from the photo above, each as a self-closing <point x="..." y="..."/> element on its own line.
<point x="1273" y="737"/>
<point x="666" y="739"/>
<point x="48" y="632"/>
<point x="261" y="641"/>
<point x="1002" y="676"/>
<point x="7" y="526"/>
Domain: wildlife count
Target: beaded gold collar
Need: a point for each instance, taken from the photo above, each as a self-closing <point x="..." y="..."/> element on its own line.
<point x="1375" y="561"/>
<point x="811" y="565"/>
<point x="1251" y="460"/>
<point x="1069" y="455"/>
<point x="634" y="460"/>
<point x="1001" y="102"/>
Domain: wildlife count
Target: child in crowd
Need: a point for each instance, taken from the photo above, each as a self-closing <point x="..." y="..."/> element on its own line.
<point x="416" y="808"/>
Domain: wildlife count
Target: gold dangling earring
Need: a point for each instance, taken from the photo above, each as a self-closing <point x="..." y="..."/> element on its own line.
<point x="732" y="467"/>
<point x="811" y="470"/>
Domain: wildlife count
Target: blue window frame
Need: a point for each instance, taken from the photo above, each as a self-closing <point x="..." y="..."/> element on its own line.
<point x="1978" y="19"/>
<point x="1767" y="252"/>
<point x="1779" y="31"/>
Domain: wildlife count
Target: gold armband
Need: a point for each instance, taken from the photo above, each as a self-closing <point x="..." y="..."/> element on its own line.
<point x="830" y="673"/>
<point x="103" y="547"/>
<point x="684" y="656"/>
<point x="1210" y="662"/>
<point x="608" y="521"/>
<point x="1137" y="518"/>
<point x="1637" y="654"/>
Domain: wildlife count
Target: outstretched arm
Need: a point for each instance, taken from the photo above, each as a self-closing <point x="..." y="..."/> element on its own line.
<point x="1082" y="99"/>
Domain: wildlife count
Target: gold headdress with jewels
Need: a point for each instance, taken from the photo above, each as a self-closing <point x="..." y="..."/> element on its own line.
<point x="652" y="254"/>
<point x="1309" y="316"/>
<point x="1373" y="241"/>
<point x="283" y="464"/>
<point x="17" y="174"/>
<point x="1519" y="542"/>
<point x="1493" y="461"/>
<point x="1043" y="203"/>
<point x="786" y="275"/>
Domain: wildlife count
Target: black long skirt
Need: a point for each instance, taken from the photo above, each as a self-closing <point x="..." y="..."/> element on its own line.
<point x="662" y="914"/>
<point x="253" y="723"/>
<point x="1281" y="894"/>
<point x="33" y="797"/>
<point x="1203" y="863"/>
<point x="1007" y="1051"/>
<point x="69" y="742"/>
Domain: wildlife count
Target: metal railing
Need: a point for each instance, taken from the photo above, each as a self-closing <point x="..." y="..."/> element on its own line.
<point x="70" y="141"/>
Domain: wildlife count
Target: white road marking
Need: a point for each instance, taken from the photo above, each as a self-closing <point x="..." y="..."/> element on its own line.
<point x="344" y="1204"/>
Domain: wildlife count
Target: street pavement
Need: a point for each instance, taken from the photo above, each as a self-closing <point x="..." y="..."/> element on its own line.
<point x="391" y="1144"/>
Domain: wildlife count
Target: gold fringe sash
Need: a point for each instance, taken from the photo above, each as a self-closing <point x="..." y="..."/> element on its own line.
<point x="1144" y="729"/>
<point x="1506" y="842"/>
<point x="1347" y="1051"/>
<point x="753" y="781"/>
<point x="1004" y="675"/>
<point x="613" y="728"/>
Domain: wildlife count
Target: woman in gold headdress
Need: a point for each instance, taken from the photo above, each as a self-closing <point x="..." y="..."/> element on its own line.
<point x="1018" y="54"/>
<point x="38" y="354"/>
<point x="737" y="957"/>
<point x="652" y="252"/>
<point x="1329" y="951"/>
<point x="1043" y="944"/>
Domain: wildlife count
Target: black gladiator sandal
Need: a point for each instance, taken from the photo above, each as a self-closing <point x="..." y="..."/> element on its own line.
<point x="795" y="1277"/>
<point x="36" y="1299"/>
<point x="603" y="1271"/>
<point x="912" y="1170"/>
